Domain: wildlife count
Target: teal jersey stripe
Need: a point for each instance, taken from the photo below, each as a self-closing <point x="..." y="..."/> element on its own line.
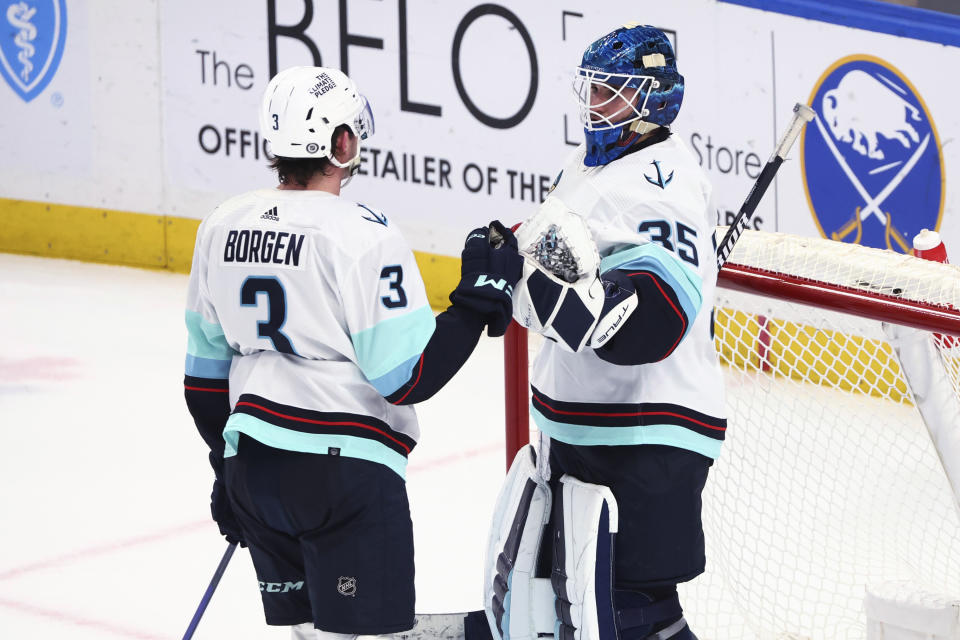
<point x="207" y="368"/>
<point x="666" y="434"/>
<point x="393" y="342"/>
<point x="206" y="339"/>
<point x="390" y="382"/>
<point x="684" y="281"/>
<point x="289" y="440"/>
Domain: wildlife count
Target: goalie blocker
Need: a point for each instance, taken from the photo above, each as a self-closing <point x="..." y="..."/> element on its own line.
<point x="578" y="600"/>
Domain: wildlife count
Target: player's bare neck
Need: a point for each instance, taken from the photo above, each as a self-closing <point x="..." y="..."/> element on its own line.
<point x="318" y="182"/>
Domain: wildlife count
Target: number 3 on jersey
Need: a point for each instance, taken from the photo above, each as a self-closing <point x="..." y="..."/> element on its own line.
<point x="396" y="297"/>
<point x="276" y="310"/>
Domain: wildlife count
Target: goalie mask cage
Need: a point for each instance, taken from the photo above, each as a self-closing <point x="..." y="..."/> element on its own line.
<point x="842" y="372"/>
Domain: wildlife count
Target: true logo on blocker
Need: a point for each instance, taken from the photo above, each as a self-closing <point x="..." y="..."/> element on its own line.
<point x="31" y="43"/>
<point x="871" y="161"/>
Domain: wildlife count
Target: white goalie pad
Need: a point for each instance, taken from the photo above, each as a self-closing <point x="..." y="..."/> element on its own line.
<point x="518" y="606"/>
<point x="583" y="561"/>
<point x="559" y="294"/>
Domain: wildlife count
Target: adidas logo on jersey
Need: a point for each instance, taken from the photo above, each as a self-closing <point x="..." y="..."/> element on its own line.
<point x="271" y="215"/>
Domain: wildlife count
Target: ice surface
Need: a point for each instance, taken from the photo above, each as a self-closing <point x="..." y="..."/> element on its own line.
<point x="104" y="482"/>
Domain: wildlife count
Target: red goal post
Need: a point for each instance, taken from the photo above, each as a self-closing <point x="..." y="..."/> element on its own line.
<point x="841" y="469"/>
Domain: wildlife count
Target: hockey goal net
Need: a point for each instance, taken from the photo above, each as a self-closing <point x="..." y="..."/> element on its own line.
<point x="830" y="483"/>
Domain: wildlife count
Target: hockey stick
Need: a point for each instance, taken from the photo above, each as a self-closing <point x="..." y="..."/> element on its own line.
<point x="205" y="600"/>
<point x="802" y="114"/>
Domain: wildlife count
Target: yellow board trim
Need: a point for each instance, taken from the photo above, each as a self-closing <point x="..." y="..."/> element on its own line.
<point x="82" y="233"/>
<point x="145" y="240"/>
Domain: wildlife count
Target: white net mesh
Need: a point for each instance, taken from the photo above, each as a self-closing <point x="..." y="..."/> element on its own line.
<point x="827" y="482"/>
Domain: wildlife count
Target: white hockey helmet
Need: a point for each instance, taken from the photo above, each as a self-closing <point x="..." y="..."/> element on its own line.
<point x="303" y="106"/>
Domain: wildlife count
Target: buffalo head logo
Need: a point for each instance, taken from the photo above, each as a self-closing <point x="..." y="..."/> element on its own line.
<point x="872" y="166"/>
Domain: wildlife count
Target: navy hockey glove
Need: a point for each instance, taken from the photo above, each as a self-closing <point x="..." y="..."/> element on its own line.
<point x="220" y="507"/>
<point x="489" y="268"/>
<point x="222" y="514"/>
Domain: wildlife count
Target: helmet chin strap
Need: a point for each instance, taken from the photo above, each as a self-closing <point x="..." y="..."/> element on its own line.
<point x="642" y="127"/>
<point x="353" y="164"/>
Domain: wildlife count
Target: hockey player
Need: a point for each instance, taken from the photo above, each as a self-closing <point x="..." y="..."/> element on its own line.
<point x="628" y="398"/>
<point x="309" y="337"/>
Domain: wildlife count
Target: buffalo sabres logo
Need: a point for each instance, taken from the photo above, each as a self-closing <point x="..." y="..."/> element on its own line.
<point x="872" y="167"/>
<point x="347" y="586"/>
<point x="31" y="43"/>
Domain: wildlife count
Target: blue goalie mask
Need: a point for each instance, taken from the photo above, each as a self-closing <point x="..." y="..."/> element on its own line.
<point x="627" y="84"/>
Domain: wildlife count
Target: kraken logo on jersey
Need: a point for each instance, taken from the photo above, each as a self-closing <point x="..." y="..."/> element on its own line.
<point x="379" y="218"/>
<point x="871" y="162"/>
<point x="659" y="182"/>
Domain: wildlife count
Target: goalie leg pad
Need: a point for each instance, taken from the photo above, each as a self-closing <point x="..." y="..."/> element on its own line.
<point x="587" y="605"/>
<point x="517" y="605"/>
<point x="585" y="517"/>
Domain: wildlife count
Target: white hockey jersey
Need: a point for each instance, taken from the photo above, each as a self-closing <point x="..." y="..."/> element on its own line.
<point x="314" y="307"/>
<point x="648" y="212"/>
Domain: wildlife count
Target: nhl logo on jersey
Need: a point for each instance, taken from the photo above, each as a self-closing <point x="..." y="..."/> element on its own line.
<point x="347" y="586"/>
<point x="31" y="44"/>
<point x="871" y="161"/>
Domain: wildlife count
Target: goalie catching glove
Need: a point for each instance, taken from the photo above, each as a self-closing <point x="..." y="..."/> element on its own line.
<point x="562" y="294"/>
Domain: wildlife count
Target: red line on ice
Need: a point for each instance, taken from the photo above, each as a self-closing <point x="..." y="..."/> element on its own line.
<point x="38" y="368"/>
<point x="110" y="547"/>
<point x="77" y="620"/>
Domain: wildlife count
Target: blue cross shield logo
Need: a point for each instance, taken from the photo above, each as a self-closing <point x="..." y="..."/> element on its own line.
<point x="871" y="160"/>
<point x="32" y="35"/>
